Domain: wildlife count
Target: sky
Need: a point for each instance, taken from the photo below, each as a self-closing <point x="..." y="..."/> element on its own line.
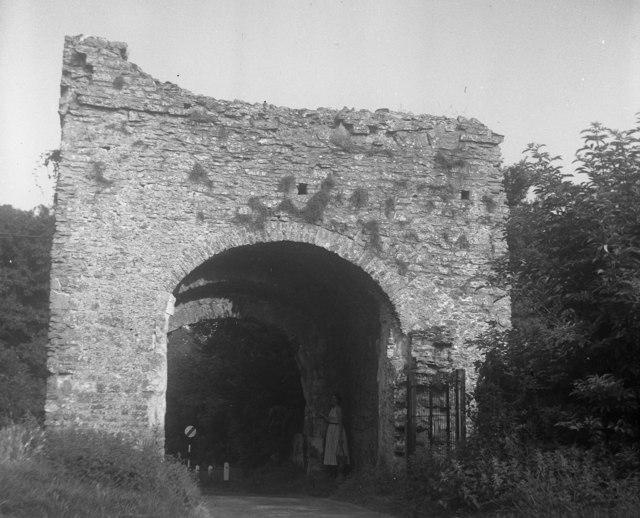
<point x="532" y="70"/>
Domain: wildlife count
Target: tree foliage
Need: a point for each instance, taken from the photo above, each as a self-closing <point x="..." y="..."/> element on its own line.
<point x="25" y="245"/>
<point x="570" y="367"/>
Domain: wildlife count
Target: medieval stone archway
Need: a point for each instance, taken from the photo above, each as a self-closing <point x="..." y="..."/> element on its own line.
<point x="343" y="324"/>
<point x="393" y="285"/>
<point x="158" y="186"/>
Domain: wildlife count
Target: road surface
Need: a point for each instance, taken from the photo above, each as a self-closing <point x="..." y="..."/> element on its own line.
<point x="244" y="506"/>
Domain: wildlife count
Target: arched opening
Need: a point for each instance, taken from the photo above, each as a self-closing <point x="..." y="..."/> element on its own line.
<point x="237" y="382"/>
<point x="334" y="318"/>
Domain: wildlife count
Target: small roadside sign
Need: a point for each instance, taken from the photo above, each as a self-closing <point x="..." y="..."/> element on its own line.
<point x="190" y="432"/>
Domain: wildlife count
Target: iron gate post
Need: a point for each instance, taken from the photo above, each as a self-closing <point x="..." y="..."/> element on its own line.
<point x="410" y="428"/>
<point x="461" y="428"/>
<point x="447" y="410"/>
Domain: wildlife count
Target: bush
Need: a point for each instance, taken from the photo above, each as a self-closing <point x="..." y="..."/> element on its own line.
<point x="526" y="481"/>
<point x="71" y="473"/>
<point x="572" y="482"/>
<point x="573" y="272"/>
<point x="98" y="457"/>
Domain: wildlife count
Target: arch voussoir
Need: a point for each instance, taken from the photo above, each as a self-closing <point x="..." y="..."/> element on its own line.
<point x="348" y="249"/>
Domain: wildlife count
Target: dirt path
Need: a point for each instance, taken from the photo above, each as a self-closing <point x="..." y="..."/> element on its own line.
<point x="243" y="506"/>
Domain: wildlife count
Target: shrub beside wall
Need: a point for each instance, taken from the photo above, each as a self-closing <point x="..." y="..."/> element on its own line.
<point x="82" y="473"/>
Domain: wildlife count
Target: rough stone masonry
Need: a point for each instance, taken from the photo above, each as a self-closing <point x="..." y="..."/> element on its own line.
<point x="366" y="237"/>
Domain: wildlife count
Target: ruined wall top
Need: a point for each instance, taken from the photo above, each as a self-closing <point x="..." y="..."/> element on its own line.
<point x="102" y="77"/>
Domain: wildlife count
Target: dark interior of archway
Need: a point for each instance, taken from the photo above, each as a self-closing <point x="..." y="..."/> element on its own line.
<point x="335" y="311"/>
<point x="237" y="382"/>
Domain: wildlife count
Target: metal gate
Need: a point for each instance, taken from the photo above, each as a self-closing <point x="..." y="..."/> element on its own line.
<point x="436" y="411"/>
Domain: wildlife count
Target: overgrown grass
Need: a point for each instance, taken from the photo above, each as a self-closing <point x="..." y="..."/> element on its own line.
<point x="86" y="473"/>
<point x="19" y="443"/>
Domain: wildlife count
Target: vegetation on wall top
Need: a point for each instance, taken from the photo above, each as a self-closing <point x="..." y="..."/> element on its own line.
<point x="372" y="229"/>
<point x="359" y="198"/>
<point x="119" y="82"/>
<point x="312" y="212"/>
<point x="198" y="174"/>
<point x="448" y="160"/>
<point x="286" y="183"/>
<point x="97" y="173"/>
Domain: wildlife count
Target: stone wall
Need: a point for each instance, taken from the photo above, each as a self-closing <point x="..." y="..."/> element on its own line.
<point x="401" y="214"/>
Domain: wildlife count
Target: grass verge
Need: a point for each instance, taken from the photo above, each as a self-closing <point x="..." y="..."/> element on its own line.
<point x="67" y="474"/>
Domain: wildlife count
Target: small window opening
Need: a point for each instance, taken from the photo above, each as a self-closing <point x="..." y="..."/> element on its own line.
<point x="302" y="188"/>
<point x="465" y="195"/>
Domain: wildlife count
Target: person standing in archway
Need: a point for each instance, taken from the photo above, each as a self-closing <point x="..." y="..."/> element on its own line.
<point x="336" y="449"/>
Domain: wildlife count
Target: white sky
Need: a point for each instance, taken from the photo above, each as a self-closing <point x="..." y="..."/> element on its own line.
<point x="532" y="70"/>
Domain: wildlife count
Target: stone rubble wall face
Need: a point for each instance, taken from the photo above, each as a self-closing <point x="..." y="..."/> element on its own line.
<point x="154" y="180"/>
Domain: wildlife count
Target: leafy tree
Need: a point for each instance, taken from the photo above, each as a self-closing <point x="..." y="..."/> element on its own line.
<point x="25" y="245"/>
<point x="570" y="368"/>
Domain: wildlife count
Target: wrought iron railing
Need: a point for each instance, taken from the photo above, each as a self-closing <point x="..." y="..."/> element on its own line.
<point x="436" y="412"/>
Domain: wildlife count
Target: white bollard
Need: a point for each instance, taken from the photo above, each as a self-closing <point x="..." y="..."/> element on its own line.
<point x="226" y="472"/>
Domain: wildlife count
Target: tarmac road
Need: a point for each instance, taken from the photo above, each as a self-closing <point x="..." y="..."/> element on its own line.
<point x="243" y="506"/>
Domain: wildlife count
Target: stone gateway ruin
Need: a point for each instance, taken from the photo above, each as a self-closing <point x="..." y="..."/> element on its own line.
<point x="365" y="237"/>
